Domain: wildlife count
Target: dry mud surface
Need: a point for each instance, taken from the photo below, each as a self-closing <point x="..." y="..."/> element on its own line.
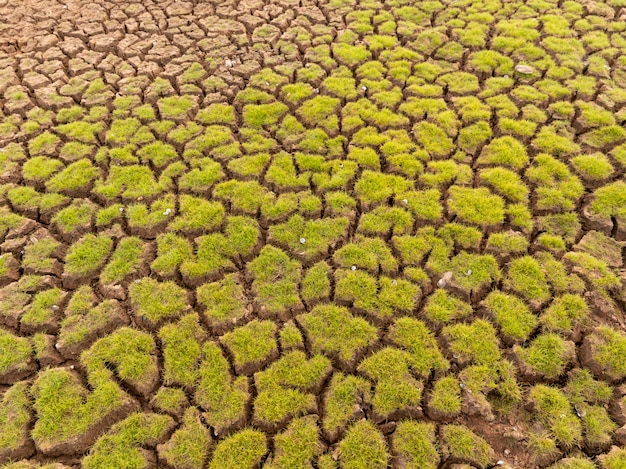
<point x="313" y="234"/>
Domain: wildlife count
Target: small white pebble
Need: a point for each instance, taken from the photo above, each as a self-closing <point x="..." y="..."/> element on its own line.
<point x="405" y="201"/>
<point x="55" y="307"/>
<point x="56" y="346"/>
<point x="364" y="88"/>
<point x="524" y="69"/>
<point x="506" y="76"/>
<point x="317" y="90"/>
<point x="394" y="282"/>
<point x="64" y="6"/>
<point x="462" y="386"/>
<point x="469" y="272"/>
<point x="167" y="211"/>
<point x="455" y="356"/>
<point x="507" y="451"/>
<point x="267" y="83"/>
<point x="137" y="281"/>
<point x="500" y="463"/>
<point x="341" y="165"/>
<point x="71" y="367"/>
<point x="302" y="240"/>
<point x="121" y="209"/>
<point x="353" y="267"/>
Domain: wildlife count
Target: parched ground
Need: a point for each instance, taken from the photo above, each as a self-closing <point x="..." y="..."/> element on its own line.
<point x="312" y="234"/>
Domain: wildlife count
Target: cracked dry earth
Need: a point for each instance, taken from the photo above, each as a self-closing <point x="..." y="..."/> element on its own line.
<point x="313" y="234"/>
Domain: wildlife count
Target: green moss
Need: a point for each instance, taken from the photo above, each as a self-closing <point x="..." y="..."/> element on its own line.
<point x="284" y="388"/>
<point x="566" y="313"/>
<point x="548" y="354"/>
<point x="297" y="445"/>
<point x="442" y="307"/>
<point x="122" y="446"/>
<point x="14" y="417"/>
<point x="16" y="353"/>
<point x="41" y="312"/>
<point x="87" y="255"/>
<point x="153" y="301"/>
<point x="132" y="354"/>
<point x="476" y="205"/>
<point x="251" y="344"/>
<point x="189" y="445"/>
<point x="171" y="400"/>
<point x="610" y="200"/>
<point x="512" y="315"/>
<point x="66" y="410"/>
<point x="607" y="347"/>
<point x="40" y="168"/>
<point x="78" y="175"/>
<point x="446" y="396"/>
<point x="182" y="350"/>
<point x="38" y="256"/>
<point x="433" y="139"/>
<point x="197" y="215"/>
<point x="413" y="336"/>
<point x="242" y="450"/>
<point x="526" y="277"/>
<point x="460" y="442"/>
<point x="506" y="151"/>
<point x="363" y="446"/>
<point x="473" y="271"/>
<point x="222" y="397"/>
<point x="129" y="182"/>
<point x="176" y="107"/>
<point x="396" y="389"/>
<point x="125" y="261"/>
<point x="475" y="342"/>
<point x="553" y="410"/>
<point x="344" y="393"/>
<point x="315" y="284"/>
<point x="334" y="330"/>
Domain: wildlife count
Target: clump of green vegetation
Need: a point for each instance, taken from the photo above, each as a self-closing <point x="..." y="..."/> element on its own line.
<point x="415" y="442"/>
<point x="242" y="450"/>
<point x="16" y="357"/>
<point x="309" y="239"/>
<point x="566" y="314"/>
<point x="87" y="256"/>
<point x="14" y="418"/>
<point x="251" y="345"/>
<point x="177" y="108"/>
<point x="363" y="446"/>
<point x="396" y="389"/>
<point x="275" y="283"/>
<point x="442" y="307"/>
<point x="511" y="314"/>
<point x="285" y="389"/>
<point x="154" y="301"/>
<point x="182" y="350"/>
<point x="548" y="355"/>
<point x="332" y="329"/>
<point x="125" y="261"/>
<point x="476" y="342"/>
<point x="345" y="395"/>
<point x="66" y="411"/>
<point x="414" y="336"/>
<point x="445" y="398"/>
<point x="297" y="445"/>
<point x="189" y="446"/>
<point x="602" y="351"/>
<point x="460" y="442"/>
<point x="525" y="276"/>
<point x="221" y="396"/>
<point x="554" y="411"/>
<point x="122" y="444"/>
<point x="476" y="205"/>
<point x="224" y="301"/>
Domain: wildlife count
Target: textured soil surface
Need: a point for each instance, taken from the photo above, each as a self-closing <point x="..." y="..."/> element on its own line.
<point x="313" y="234"/>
